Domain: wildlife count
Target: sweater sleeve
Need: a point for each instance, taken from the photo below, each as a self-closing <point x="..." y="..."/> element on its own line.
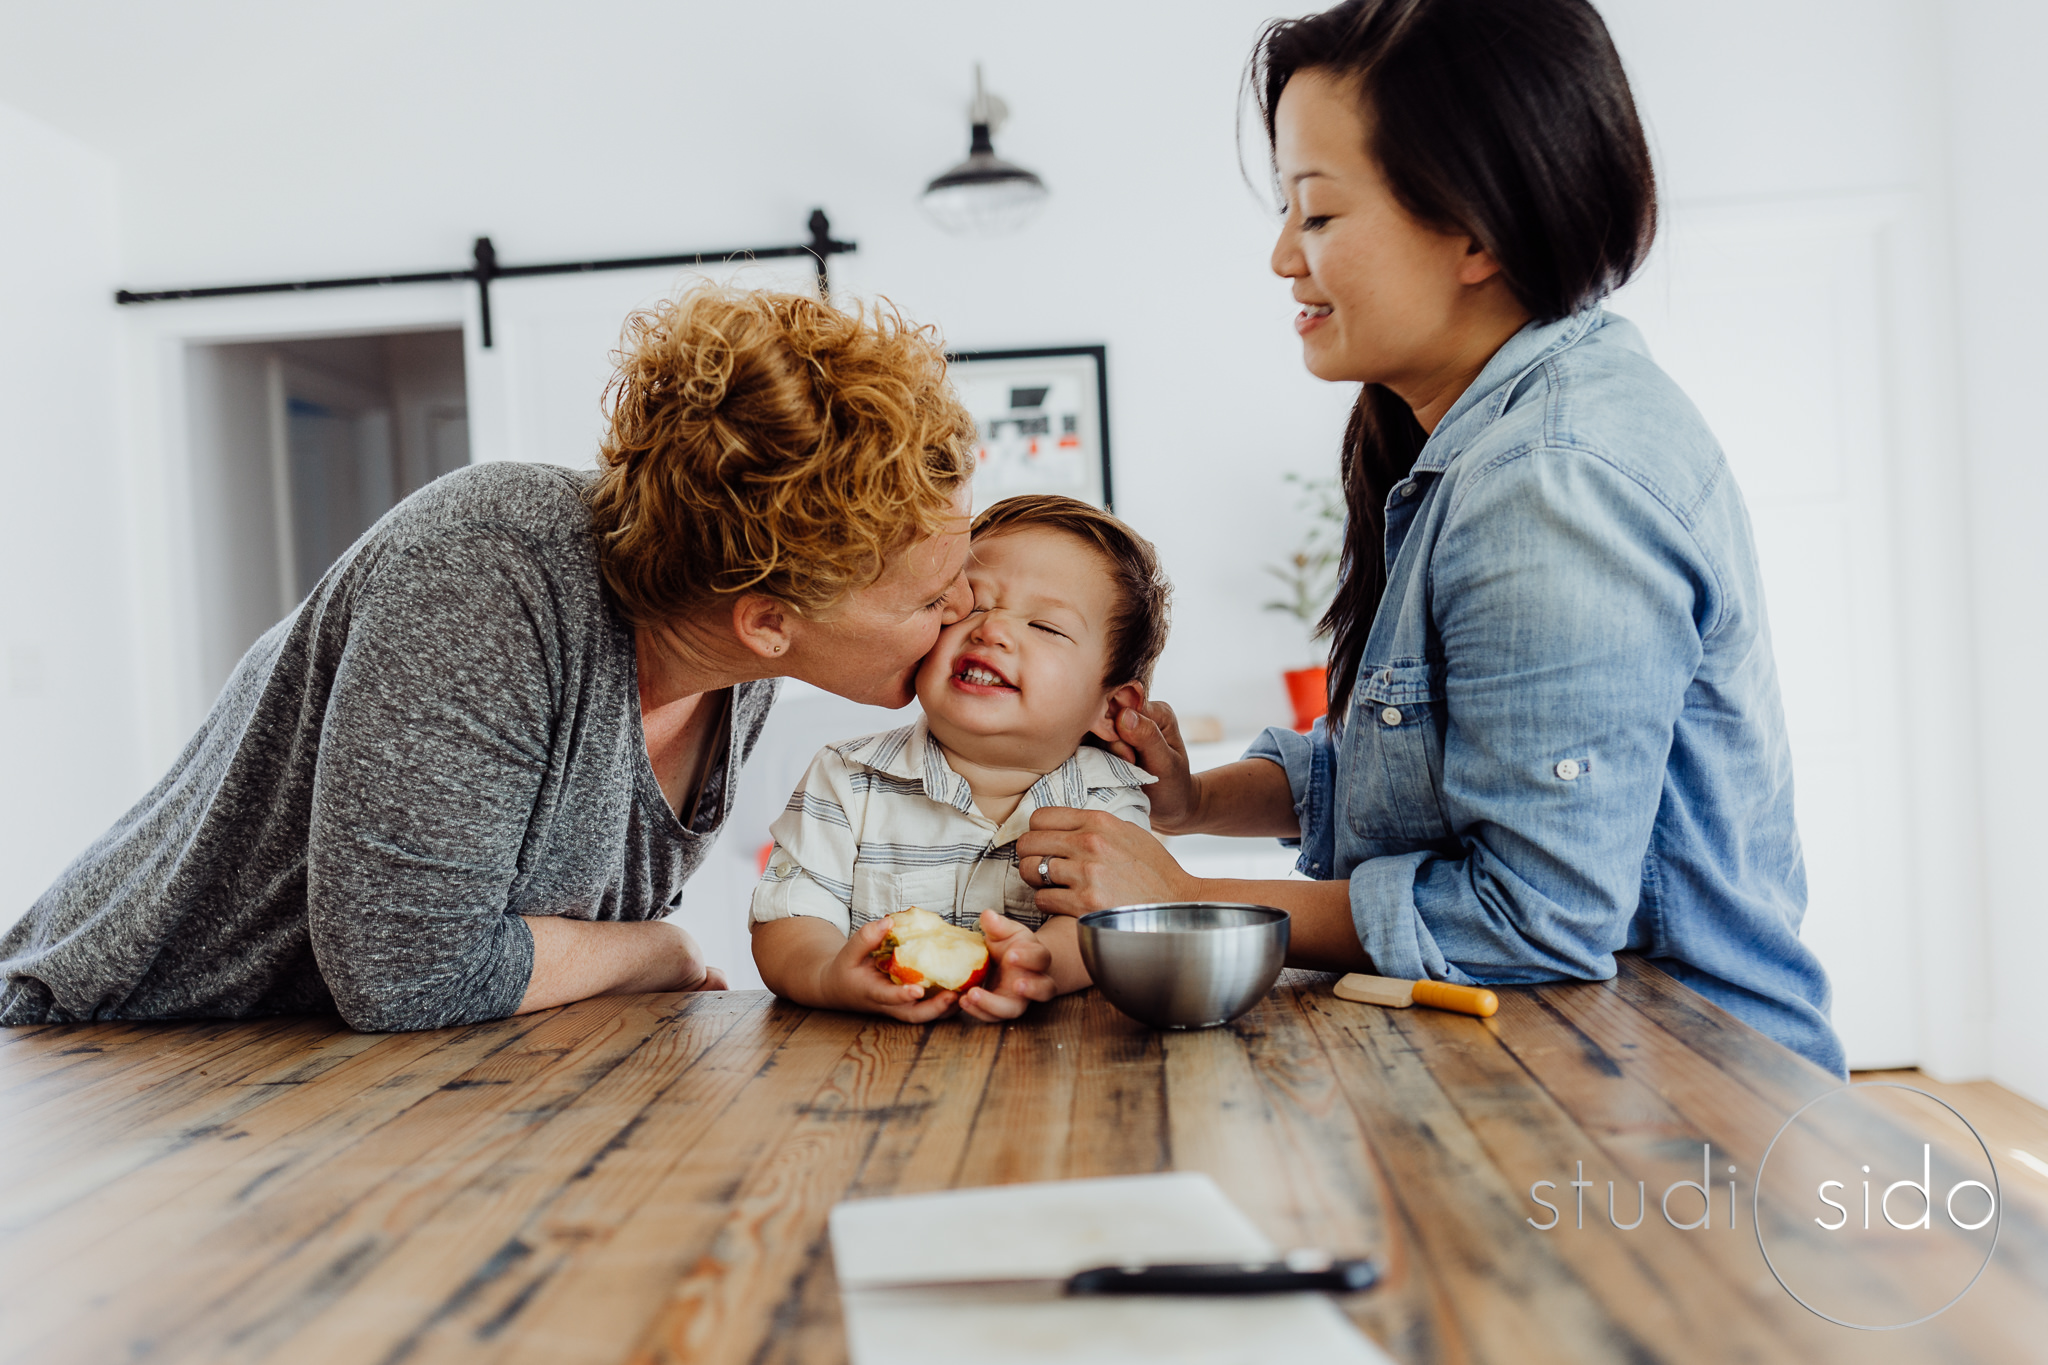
<point x="435" y="741"/>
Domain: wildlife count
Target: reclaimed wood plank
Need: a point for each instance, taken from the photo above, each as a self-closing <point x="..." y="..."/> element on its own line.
<point x="36" y="1049"/>
<point x="1458" y="1213"/>
<point x="90" y="1200"/>
<point x="1999" y="1315"/>
<point x="302" y="1243"/>
<point x="1120" y="1121"/>
<point x="1589" y="1118"/>
<point x="464" y="1268"/>
<point x="1291" y="1152"/>
<point x="727" y="1305"/>
<point x="596" y="1305"/>
<point x="926" y="1144"/>
<point x="810" y="1326"/>
<point x="104" y="1091"/>
<point x="178" y="1184"/>
<point x="1025" y="1121"/>
<point x="22" y="1033"/>
<point x="2015" y="1128"/>
<point x="1774" y="1073"/>
<point x="54" y="1157"/>
<point x="1255" y="1105"/>
<point x="649" y="1179"/>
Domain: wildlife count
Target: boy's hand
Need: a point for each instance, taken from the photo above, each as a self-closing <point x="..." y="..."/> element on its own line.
<point x="1019" y="965"/>
<point x="851" y="981"/>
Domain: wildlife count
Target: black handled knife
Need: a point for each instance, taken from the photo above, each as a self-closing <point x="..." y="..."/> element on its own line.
<point x="1300" y="1272"/>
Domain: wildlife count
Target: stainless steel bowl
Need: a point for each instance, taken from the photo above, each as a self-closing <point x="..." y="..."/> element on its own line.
<point x="1185" y="964"/>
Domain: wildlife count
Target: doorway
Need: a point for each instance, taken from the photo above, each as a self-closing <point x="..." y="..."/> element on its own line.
<point x="298" y="446"/>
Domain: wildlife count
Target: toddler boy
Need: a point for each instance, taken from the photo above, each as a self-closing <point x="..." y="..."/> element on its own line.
<point x="1070" y="614"/>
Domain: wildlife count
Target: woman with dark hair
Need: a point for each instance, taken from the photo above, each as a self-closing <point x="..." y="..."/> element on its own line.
<point x="1554" y="729"/>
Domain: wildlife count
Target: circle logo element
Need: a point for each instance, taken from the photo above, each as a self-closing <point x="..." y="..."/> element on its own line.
<point x="1925" y="1187"/>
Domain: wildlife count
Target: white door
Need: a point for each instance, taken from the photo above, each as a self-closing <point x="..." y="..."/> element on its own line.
<point x="1773" y="320"/>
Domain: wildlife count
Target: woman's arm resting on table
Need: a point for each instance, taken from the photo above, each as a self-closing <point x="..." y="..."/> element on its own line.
<point x="576" y="959"/>
<point x="1101" y="861"/>
<point x="1249" y="798"/>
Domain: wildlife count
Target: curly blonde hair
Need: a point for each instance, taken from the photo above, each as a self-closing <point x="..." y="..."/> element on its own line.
<point x="772" y="443"/>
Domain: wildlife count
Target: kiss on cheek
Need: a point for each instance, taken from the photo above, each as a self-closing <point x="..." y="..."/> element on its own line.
<point x="1020" y="680"/>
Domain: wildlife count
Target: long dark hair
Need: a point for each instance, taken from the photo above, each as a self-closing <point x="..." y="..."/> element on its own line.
<point x="1507" y="120"/>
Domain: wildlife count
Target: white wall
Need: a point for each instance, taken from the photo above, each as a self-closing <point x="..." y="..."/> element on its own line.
<point x="68" y="764"/>
<point x="395" y="132"/>
<point x="283" y="141"/>
<point x="1999" y="156"/>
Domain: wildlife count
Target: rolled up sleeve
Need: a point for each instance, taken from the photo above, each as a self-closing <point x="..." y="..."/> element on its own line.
<point x="1309" y="761"/>
<point x="1568" y="600"/>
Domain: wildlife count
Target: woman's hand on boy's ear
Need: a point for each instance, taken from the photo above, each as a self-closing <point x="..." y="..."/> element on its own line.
<point x="1022" y="972"/>
<point x="1151" y="739"/>
<point x="1097" y="862"/>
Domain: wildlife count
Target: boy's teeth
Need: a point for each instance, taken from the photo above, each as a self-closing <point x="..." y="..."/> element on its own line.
<point x="981" y="676"/>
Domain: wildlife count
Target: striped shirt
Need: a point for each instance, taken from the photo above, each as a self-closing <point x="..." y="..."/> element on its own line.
<point x="883" y="822"/>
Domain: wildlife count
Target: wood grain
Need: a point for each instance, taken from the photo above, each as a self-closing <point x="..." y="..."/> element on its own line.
<point x="647" y="1179"/>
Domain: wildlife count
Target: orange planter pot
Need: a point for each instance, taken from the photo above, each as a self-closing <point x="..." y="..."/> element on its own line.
<point x="1309" y="690"/>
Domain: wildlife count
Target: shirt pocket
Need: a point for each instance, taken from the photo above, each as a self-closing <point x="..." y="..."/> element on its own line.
<point x="1395" y="744"/>
<point x="879" y="891"/>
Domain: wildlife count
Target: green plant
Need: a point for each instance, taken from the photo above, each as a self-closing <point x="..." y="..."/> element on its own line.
<point x="1310" y="574"/>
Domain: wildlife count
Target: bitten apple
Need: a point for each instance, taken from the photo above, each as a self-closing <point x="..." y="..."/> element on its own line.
<point x="923" y="949"/>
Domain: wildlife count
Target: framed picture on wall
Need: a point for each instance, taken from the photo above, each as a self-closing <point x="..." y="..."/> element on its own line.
<point x="1041" y="421"/>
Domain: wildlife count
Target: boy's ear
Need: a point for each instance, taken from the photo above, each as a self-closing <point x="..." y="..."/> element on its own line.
<point x="1130" y="696"/>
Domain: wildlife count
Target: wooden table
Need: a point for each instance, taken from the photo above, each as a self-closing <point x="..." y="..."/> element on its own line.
<point x="647" y="1178"/>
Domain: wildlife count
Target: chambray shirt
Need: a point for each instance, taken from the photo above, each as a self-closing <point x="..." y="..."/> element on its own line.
<point x="1565" y="740"/>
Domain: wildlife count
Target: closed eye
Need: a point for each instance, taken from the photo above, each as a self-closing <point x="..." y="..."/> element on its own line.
<point x="1049" y="630"/>
<point x="1315" y="224"/>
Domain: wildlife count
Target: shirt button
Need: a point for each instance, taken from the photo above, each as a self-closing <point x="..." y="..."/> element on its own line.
<point x="1392" y="716"/>
<point x="1567" y="768"/>
<point x="1408" y="489"/>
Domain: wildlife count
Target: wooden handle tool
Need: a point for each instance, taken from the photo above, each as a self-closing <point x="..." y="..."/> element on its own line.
<point x="1385" y="990"/>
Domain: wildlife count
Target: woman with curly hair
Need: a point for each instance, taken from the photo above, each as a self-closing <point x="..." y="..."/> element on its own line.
<point x="470" y="774"/>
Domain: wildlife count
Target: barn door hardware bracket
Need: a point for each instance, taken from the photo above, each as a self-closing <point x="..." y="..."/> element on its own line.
<point x="821" y="248"/>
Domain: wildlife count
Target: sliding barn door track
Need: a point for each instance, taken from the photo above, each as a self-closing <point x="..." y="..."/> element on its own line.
<point x="821" y="248"/>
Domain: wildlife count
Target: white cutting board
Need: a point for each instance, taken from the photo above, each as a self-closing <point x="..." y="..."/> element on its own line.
<point x="1056" y="1229"/>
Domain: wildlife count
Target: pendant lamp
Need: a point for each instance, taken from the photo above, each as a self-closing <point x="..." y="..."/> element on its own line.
<point x="984" y="196"/>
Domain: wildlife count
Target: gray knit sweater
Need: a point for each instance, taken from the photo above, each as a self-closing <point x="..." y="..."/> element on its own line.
<point x="445" y="736"/>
